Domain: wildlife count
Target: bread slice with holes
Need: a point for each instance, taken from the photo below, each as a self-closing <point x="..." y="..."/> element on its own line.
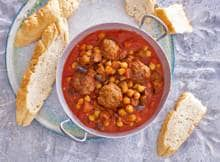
<point x="33" y="26"/>
<point x="179" y="124"/>
<point x="40" y="75"/>
<point x="139" y="8"/>
<point x="175" y="19"/>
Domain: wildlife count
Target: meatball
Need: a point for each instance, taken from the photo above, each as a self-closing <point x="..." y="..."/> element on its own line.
<point x="110" y="96"/>
<point x="139" y="71"/>
<point x="83" y="83"/>
<point x="111" y="49"/>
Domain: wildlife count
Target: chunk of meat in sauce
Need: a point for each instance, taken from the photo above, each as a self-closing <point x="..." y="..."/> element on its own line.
<point x="139" y="72"/>
<point x="84" y="83"/>
<point x="110" y="96"/>
<point x="110" y="49"/>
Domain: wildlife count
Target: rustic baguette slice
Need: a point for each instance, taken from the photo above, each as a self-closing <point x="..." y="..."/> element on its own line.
<point x="39" y="77"/>
<point x="175" y="19"/>
<point x="33" y="26"/>
<point x="179" y="124"/>
<point x="139" y="8"/>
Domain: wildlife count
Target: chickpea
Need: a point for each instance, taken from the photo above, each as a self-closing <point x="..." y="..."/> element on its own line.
<point x="130" y="52"/>
<point x="129" y="108"/>
<point x="97" y="113"/>
<point x="97" y="57"/>
<point x="87" y="107"/>
<point x="82" y="53"/>
<point x="137" y="95"/>
<point x="138" y="119"/>
<point x="121" y="71"/>
<point x="109" y="63"/>
<point x="130" y="92"/>
<point x="96" y="50"/>
<point x="124" y="87"/>
<point x="122" y="78"/>
<point x="109" y="70"/>
<point x="112" y="79"/>
<point x="100" y="69"/>
<point x="89" y="47"/>
<point x="140" y="88"/>
<point x="152" y="66"/>
<point x="132" y="118"/>
<point x="126" y="100"/>
<point x="122" y="112"/>
<point x="124" y="65"/>
<point x="148" y="53"/>
<point x="88" y="53"/>
<point x="98" y="85"/>
<point x="145" y="48"/>
<point x="158" y="66"/>
<point x="80" y="101"/>
<point x="78" y="106"/>
<point x="131" y="124"/>
<point x="74" y="65"/>
<point x="92" y="118"/>
<point x="85" y="59"/>
<point x="119" y="123"/>
<point x="136" y="86"/>
<point x="101" y="35"/>
<point x="87" y="98"/>
<point x="106" y="123"/>
<point x="130" y="84"/>
<point x="117" y="81"/>
<point x="104" y="61"/>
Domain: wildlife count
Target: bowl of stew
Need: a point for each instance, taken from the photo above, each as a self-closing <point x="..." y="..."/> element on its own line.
<point x="113" y="79"/>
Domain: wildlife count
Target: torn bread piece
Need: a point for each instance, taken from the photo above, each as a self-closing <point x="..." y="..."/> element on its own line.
<point x="175" y="19"/>
<point x="68" y="7"/>
<point x="33" y="26"/>
<point x="139" y="8"/>
<point x="179" y="124"/>
<point x="40" y="75"/>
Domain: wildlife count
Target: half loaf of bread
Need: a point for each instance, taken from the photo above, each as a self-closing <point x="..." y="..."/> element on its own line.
<point x="40" y="75"/>
<point x="179" y="124"/>
<point x="175" y="18"/>
<point x="32" y="27"/>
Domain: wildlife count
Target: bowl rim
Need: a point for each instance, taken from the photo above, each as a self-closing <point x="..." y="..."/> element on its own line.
<point x="108" y="26"/>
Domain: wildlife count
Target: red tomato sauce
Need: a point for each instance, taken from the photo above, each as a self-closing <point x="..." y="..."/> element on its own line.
<point x="88" y="110"/>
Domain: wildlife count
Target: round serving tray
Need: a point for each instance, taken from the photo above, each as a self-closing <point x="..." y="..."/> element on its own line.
<point x="90" y="12"/>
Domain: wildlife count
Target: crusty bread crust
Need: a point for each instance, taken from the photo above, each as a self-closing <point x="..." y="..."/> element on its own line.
<point x="163" y="149"/>
<point x="162" y="15"/>
<point x="175" y="19"/>
<point x="25" y="114"/>
<point x="31" y="29"/>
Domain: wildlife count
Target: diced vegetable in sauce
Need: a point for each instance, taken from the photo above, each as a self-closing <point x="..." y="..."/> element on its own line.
<point x="113" y="80"/>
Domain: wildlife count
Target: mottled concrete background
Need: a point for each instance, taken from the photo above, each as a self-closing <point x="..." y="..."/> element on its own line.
<point x="197" y="70"/>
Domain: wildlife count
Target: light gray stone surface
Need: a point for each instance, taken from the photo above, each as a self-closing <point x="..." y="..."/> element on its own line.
<point x="197" y="70"/>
